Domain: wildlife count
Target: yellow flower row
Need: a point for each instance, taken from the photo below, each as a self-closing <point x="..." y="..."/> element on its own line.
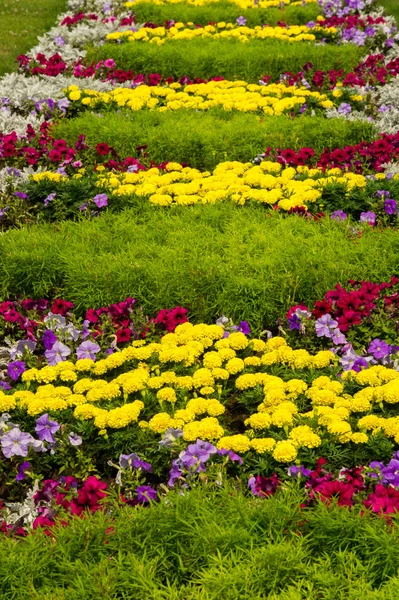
<point x="273" y="99"/>
<point x="240" y="3"/>
<point x="179" y="31"/>
<point x="190" y="375"/>
<point x="268" y="183"/>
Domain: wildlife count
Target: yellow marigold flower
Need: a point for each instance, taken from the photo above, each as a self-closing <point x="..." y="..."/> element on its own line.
<point x="212" y="360"/>
<point x="167" y="394"/>
<point x="84" y="364"/>
<point x="7" y="402"/>
<point x="226" y="353"/>
<point x="247" y="381"/>
<point x="237" y="443"/>
<point x="143" y="425"/>
<point x="220" y="374"/>
<point x="259" y="421"/>
<point x="262" y="445"/>
<point x="304" y="436"/>
<point x="68" y="375"/>
<point x="257" y="345"/>
<point x="369" y="422"/>
<point x="160" y="422"/>
<point x="359" y="438"/>
<point x="280" y="418"/>
<point x="184" y="382"/>
<point x="237" y="340"/>
<point x="252" y="361"/>
<point x="284" y="451"/>
<point x="203" y="377"/>
<point x="206" y="429"/>
<point x="30" y="375"/>
<point x="322" y="359"/>
<point x="207" y="390"/>
<point x="235" y="365"/>
<point x="274" y="343"/>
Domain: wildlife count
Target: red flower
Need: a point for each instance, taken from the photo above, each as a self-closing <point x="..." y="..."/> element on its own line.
<point x="61" y="307"/>
<point x="341" y="490"/>
<point x="123" y="335"/>
<point x="384" y="500"/>
<point x="103" y="149"/>
<point x="321" y="308"/>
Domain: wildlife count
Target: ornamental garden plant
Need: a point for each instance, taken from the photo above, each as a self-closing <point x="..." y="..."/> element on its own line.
<point x="199" y="302"/>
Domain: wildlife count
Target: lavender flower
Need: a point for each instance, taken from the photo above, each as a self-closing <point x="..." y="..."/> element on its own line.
<point x="59" y="40"/>
<point x="74" y="439"/>
<point x="45" y="428"/>
<point x="100" y="200"/>
<point x="49" y="199"/>
<point x="379" y="349"/>
<point x="57" y="354"/>
<point x="325" y="325"/>
<point x="368" y="217"/>
<point x="338" y="215"/>
<point x="16" y="443"/>
<point x="87" y="349"/>
<point x="169" y="437"/>
<point x="344" y="108"/>
<point x="241" y="21"/>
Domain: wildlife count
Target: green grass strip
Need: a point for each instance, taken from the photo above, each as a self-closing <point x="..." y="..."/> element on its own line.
<point x="223" y="11"/>
<point x="247" y="263"/>
<point x="208" y="545"/>
<point x="20" y="24"/>
<point x="231" y="59"/>
<point x="391" y="7"/>
<point x="205" y="139"/>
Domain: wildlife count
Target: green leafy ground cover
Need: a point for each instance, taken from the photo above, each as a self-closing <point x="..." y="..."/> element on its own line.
<point x="231" y="59"/>
<point x="209" y="545"/>
<point x="205" y="139"/>
<point x="224" y="11"/>
<point x="213" y="259"/>
<point x="21" y="22"/>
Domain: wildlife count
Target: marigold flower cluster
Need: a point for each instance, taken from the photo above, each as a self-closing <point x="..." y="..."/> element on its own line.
<point x="273" y="99"/>
<point x="180" y="31"/>
<point x="186" y="381"/>
<point x="268" y="183"/>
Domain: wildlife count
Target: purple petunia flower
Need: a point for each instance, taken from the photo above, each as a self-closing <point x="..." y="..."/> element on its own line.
<point x="241" y="21"/>
<point x="145" y="493"/>
<point x="87" y="349"/>
<point x="57" y="354"/>
<point x="100" y="200"/>
<point x="59" y="40"/>
<point x="368" y="217"/>
<point x="74" y="439"/>
<point x="45" y="428"/>
<point x="390" y="206"/>
<point x="15" y="369"/>
<point x="379" y="349"/>
<point x="244" y="328"/>
<point x="338" y="215"/>
<point x="232" y="455"/>
<point x="296" y="472"/>
<point x="169" y="437"/>
<point x="49" y="199"/>
<point x="4" y="385"/>
<point x="49" y="338"/>
<point x="294" y="322"/>
<point x="16" y="443"/>
<point x="21" y="195"/>
<point x="325" y="325"/>
<point x="344" y="108"/>
<point x="21" y="471"/>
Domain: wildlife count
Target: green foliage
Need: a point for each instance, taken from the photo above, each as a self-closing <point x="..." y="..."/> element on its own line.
<point x="391" y="7"/>
<point x="20" y="25"/>
<point x="231" y="59"/>
<point x="224" y="11"/>
<point x="212" y="259"/>
<point x="205" y="139"/>
<point x="207" y="545"/>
